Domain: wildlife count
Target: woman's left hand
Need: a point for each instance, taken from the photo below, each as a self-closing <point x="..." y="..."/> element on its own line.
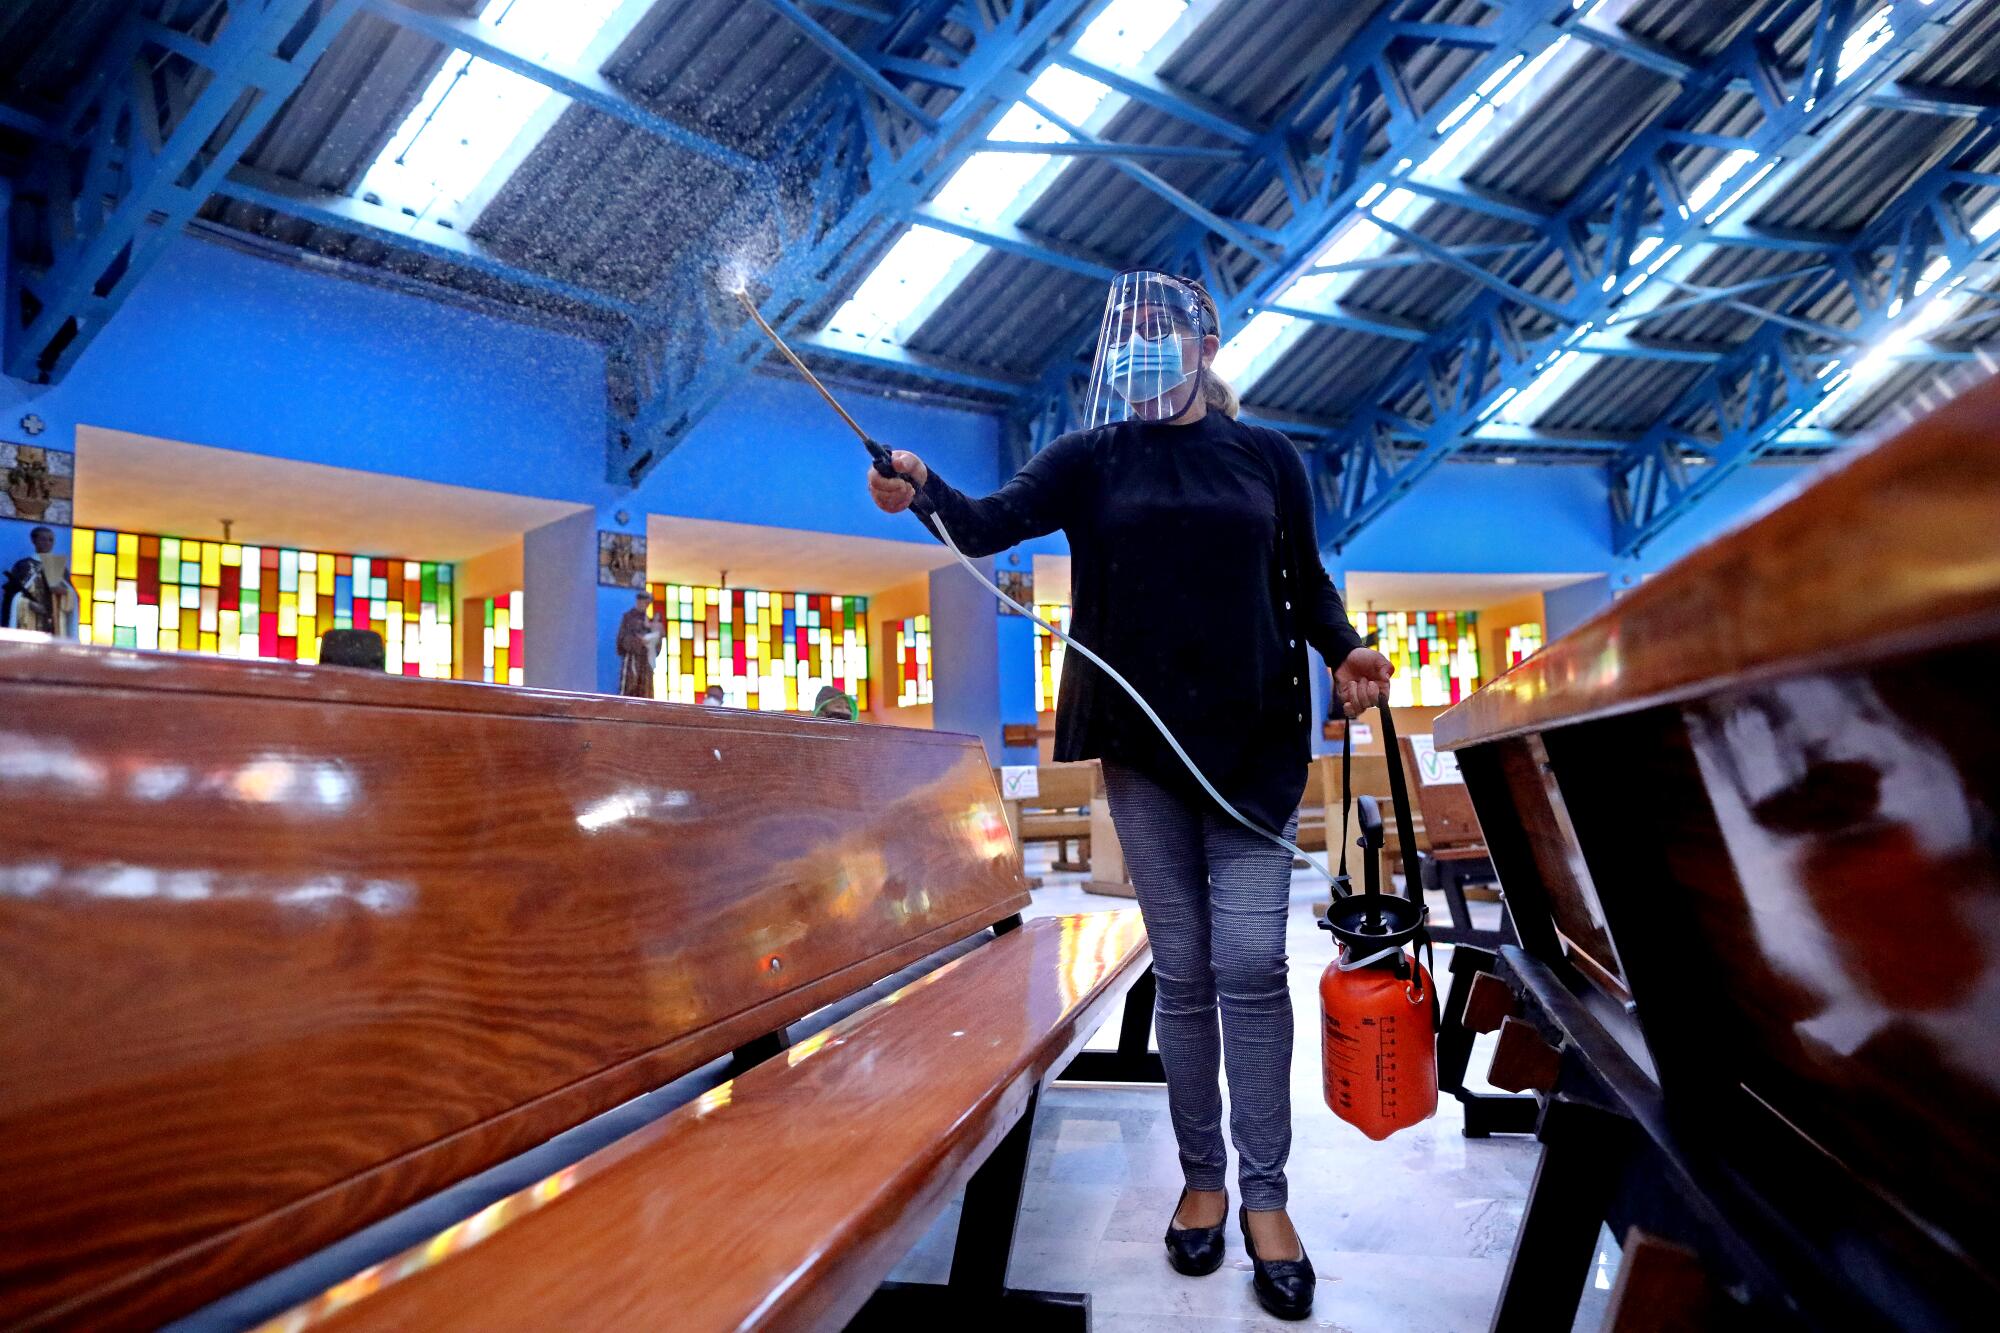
<point x="1363" y="680"/>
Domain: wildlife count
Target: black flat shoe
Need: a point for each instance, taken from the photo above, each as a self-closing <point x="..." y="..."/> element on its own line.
<point x="1284" y="1286"/>
<point x="1195" y="1251"/>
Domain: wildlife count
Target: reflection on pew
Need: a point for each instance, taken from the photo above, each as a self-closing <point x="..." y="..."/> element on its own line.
<point x="1745" y="823"/>
<point x="288" y="952"/>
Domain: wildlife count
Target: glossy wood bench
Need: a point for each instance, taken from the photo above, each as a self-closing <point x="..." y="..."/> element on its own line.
<point x="783" y="1198"/>
<point x="285" y="951"/>
<point x="1745" y="819"/>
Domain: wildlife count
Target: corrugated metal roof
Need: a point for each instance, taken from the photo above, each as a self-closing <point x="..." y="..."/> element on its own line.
<point x="601" y="202"/>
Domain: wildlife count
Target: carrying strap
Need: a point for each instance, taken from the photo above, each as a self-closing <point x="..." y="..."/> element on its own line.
<point x="1399" y="799"/>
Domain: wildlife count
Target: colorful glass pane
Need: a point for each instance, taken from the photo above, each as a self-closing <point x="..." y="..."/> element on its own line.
<point x="1436" y="653"/>
<point x="502" y="638"/>
<point x="1523" y="641"/>
<point x="910" y="673"/>
<point x="1049" y="654"/>
<point x="183" y="594"/>
<point x="767" y="650"/>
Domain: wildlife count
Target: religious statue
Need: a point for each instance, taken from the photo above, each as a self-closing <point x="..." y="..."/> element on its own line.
<point x="638" y="645"/>
<point x="38" y="594"/>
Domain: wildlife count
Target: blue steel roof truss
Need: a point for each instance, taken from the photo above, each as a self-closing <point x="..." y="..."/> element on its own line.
<point x="875" y="145"/>
<point x="139" y="146"/>
<point x="1746" y="405"/>
<point x="1470" y="370"/>
<point x="868" y="177"/>
<point x="1324" y="185"/>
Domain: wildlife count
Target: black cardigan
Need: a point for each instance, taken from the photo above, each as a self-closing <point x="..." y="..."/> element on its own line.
<point x="1196" y="573"/>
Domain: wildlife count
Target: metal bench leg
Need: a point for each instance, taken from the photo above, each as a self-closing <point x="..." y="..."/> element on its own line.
<point x="1134" y="1061"/>
<point x="1453" y="883"/>
<point x="1584" y="1153"/>
<point x="977" y="1294"/>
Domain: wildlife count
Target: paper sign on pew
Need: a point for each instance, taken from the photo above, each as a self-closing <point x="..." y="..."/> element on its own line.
<point x="1019" y="782"/>
<point x="1435" y="767"/>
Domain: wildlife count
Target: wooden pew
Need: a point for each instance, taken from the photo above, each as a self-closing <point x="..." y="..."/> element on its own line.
<point x="285" y="950"/>
<point x="1058" y="811"/>
<point x="1744" y="819"/>
<point x="1452" y="854"/>
<point x="1371" y="778"/>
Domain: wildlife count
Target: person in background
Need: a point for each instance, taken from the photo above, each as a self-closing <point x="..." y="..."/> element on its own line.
<point x="353" y="648"/>
<point x="1172" y="506"/>
<point x="834" y="703"/>
<point x="713" y="697"/>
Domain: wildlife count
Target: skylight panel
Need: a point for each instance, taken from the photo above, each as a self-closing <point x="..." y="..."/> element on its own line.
<point x="1932" y="311"/>
<point x="1469" y="126"/>
<point x="1127" y="31"/>
<point x="925" y="265"/>
<point x="473" y="111"/>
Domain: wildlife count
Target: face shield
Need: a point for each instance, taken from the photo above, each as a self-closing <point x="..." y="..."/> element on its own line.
<point x="1148" y="361"/>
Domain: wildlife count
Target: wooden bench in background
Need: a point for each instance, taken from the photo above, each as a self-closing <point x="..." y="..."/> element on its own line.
<point x="1058" y="812"/>
<point x="1452" y="855"/>
<point x="1744" y="818"/>
<point x="286" y="950"/>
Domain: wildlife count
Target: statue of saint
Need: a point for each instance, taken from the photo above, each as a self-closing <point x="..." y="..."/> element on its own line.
<point x="27" y="602"/>
<point x="62" y="598"/>
<point x="638" y="645"/>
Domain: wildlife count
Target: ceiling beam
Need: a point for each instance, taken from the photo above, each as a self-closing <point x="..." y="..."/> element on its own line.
<point x="865" y="182"/>
<point x="1323" y="187"/>
<point x="586" y="87"/>
<point x="133" y="158"/>
<point x="1473" y="370"/>
<point x="1751" y="401"/>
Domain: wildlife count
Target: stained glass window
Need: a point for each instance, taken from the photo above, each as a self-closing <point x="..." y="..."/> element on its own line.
<point x="1522" y="641"/>
<point x="910" y="673"/>
<point x="137" y="590"/>
<point x="1049" y="654"/>
<point x="767" y="650"/>
<point x="503" y="638"/>
<point x="1436" y="653"/>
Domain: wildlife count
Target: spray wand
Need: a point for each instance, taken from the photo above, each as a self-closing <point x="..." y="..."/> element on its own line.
<point x="886" y="468"/>
<point x="876" y="450"/>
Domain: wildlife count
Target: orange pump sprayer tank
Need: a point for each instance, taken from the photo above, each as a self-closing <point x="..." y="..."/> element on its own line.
<point x="1378" y="1044"/>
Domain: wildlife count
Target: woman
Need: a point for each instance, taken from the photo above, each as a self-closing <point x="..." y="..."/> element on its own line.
<point x="1196" y="573"/>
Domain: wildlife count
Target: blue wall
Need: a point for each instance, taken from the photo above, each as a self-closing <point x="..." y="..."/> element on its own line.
<point x="1489" y="519"/>
<point x="224" y="348"/>
<point x="217" y="347"/>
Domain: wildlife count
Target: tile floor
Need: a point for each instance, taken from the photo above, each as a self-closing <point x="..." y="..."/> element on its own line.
<point x="1423" y="1250"/>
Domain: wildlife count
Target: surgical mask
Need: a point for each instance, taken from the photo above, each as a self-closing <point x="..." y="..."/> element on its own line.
<point x="1146" y="368"/>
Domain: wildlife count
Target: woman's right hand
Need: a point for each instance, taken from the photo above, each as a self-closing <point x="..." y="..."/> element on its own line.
<point x="893" y="497"/>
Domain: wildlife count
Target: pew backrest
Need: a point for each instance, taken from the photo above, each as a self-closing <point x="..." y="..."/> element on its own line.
<point x="1756" y="797"/>
<point x="285" y="949"/>
<point x="1063" y="786"/>
<point x="1446" y="807"/>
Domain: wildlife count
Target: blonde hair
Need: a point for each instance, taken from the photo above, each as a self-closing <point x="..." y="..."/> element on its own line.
<point x="1215" y="390"/>
<point x="1219" y="395"/>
